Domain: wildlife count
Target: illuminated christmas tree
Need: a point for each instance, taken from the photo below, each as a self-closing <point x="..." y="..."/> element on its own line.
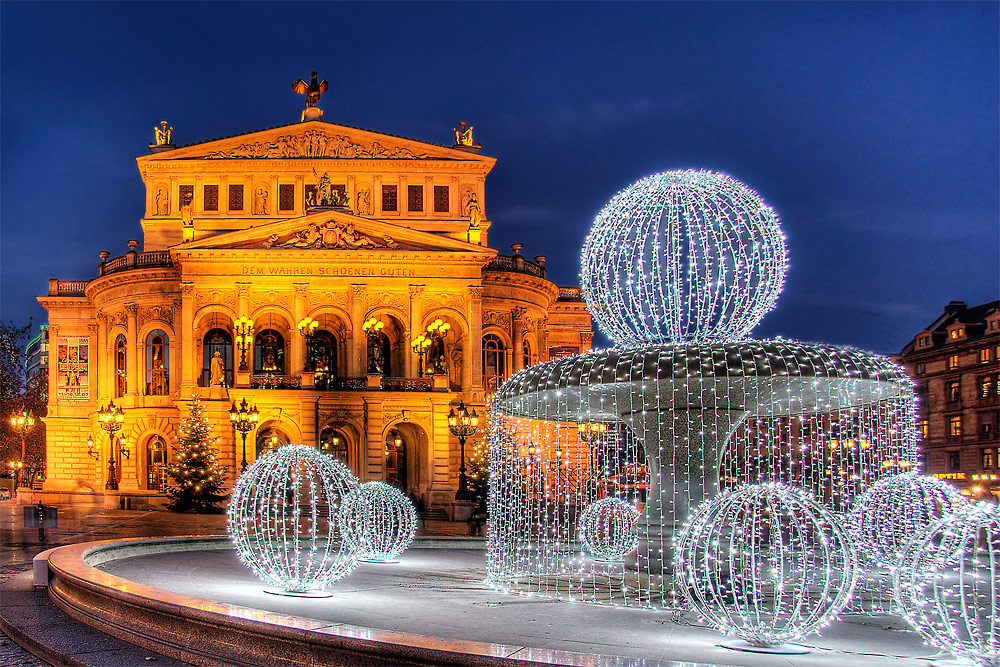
<point x="198" y="478"/>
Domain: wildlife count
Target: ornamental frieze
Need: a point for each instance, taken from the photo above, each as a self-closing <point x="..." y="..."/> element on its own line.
<point x="328" y="298"/>
<point x="446" y="300"/>
<point x="269" y="298"/>
<point x="315" y="144"/>
<point x="375" y="300"/>
<point x="332" y="235"/>
<point x="416" y="416"/>
<point x="495" y="318"/>
<point x="160" y="313"/>
<point x="217" y="296"/>
<point x="340" y="415"/>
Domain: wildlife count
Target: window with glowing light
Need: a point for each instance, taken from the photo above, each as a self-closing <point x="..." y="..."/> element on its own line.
<point x="494" y="366"/>
<point x="987" y="424"/>
<point x="955" y="426"/>
<point x="526" y="353"/>
<point x="395" y="460"/>
<point x="157" y="363"/>
<point x="323" y="357"/>
<point x="121" y="357"/>
<point x="334" y="443"/>
<point x="984" y="355"/>
<point x="954" y="391"/>
<point x="952" y="362"/>
<point x="269" y="353"/>
<point x="922" y="428"/>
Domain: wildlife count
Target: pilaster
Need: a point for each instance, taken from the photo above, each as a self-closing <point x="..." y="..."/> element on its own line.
<point x="298" y="342"/>
<point x="132" y="363"/>
<point x="188" y="343"/>
<point x="177" y="361"/>
<point x="416" y="326"/>
<point x="356" y="361"/>
<point x="474" y="360"/>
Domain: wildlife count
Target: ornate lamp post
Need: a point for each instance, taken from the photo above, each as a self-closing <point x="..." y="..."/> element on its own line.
<point x="243" y="418"/>
<point x="435" y="332"/>
<point x="373" y="330"/>
<point x="462" y="423"/>
<point x="22" y="422"/>
<point x="244" y="339"/>
<point x="112" y="418"/>
<point x="307" y="327"/>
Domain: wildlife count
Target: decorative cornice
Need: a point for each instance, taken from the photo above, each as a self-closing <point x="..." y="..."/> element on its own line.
<point x="476" y="291"/>
<point x="314" y="144"/>
<point x="416" y="290"/>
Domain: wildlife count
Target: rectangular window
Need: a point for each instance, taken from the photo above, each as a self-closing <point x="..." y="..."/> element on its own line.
<point x="211" y="197"/>
<point x="955" y="426"/>
<point x="984" y="355"/>
<point x="985" y="385"/>
<point x="236" y="197"/>
<point x="987" y="422"/>
<point x="389" y="198"/>
<point x="954" y="461"/>
<point x="988" y="458"/>
<point x="286" y="197"/>
<point x="954" y="391"/>
<point x="441" y="198"/>
<point x="185" y="194"/>
<point x="414" y="198"/>
<point x="922" y="429"/>
<point x="952" y="362"/>
<point x="921" y="368"/>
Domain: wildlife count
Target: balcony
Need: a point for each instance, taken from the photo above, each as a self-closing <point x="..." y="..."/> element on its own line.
<point x="515" y="264"/>
<point x="67" y="287"/>
<point x="571" y="294"/>
<point x="136" y="260"/>
<point x="272" y="381"/>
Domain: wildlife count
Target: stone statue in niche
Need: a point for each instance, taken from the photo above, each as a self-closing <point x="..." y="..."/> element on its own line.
<point x="364" y="206"/>
<point x="473" y="210"/>
<point x="162" y="202"/>
<point x="326" y="194"/>
<point x="260" y="201"/>
<point x="187" y="212"/>
<point x="217" y="368"/>
<point x="376" y="358"/>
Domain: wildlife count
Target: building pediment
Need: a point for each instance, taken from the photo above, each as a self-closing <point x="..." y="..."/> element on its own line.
<point x="316" y="140"/>
<point x="333" y="230"/>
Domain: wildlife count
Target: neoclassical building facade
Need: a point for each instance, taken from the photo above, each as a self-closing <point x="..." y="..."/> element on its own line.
<point x="340" y="246"/>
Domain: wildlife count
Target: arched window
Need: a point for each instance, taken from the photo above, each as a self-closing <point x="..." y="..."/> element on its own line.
<point x="121" y="357"/>
<point x="333" y="442"/>
<point x="270" y="438"/>
<point x="156" y="464"/>
<point x="217" y="340"/>
<point x="157" y="363"/>
<point x="380" y="354"/>
<point x="323" y="358"/>
<point x="494" y="368"/>
<point x="269" y="353"/>
<point x="526" y="353"/>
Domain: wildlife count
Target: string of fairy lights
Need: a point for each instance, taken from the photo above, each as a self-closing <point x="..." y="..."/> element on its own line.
<point x="379" y="520"/>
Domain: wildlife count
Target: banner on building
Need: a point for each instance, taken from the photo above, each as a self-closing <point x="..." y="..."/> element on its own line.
<point x="73" y="369"/>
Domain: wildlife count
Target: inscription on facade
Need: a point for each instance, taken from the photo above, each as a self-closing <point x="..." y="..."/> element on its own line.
<point x="373" y="271"/>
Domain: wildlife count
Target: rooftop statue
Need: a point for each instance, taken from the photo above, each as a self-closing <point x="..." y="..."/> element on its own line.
<point x="311" y="90"/>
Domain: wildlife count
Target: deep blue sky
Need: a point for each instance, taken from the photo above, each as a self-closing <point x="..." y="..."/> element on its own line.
<point x="872" y="128"/>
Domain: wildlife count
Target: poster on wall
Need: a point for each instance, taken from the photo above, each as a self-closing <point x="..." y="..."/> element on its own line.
<point x="73" y="369"/>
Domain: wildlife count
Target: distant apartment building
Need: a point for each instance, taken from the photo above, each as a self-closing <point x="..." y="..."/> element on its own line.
<point x="36" y="354"/>
<point x="955" y="363"/>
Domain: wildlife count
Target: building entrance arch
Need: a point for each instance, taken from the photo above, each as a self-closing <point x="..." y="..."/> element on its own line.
<point x="270" y="436"/>
<point x="406" y="458"/>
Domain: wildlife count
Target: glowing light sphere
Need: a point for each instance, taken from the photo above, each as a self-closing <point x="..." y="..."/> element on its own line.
<point x="283" y="519"/>
<point x="683" y="256"/>
<point x="895" y="510"/>
<point x="767" y="564"/>
<point x="948" y="584"/>
<point x="379" y="520"/>
<point x="608" y="528"/>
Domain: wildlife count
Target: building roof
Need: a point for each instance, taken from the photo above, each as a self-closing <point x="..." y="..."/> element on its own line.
<point x="957" y="312"/>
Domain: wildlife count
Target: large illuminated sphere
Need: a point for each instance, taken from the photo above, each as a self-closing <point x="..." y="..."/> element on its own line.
<point x="765" y="563"/>
<point x="948" y="584"/>
<point x="379" y="520"/>
<point x="897" y="509"/>
<point x="608" y="528"/>
<point x="284" y="519"/>
<point x="683" y="256"/>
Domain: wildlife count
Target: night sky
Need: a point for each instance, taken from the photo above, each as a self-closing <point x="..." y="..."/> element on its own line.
<point x="871" y="128"/>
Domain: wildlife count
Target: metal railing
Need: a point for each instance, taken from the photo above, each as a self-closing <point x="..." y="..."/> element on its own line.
<point x="571" y="294"/>
<point x="516" y="264"/>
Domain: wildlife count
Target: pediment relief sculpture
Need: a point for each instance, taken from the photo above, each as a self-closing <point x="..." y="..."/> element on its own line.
<point x="315" y="143"/>
<point x="331" y="235"/>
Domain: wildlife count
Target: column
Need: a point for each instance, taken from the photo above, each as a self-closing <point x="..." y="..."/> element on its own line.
<point x="99" y="358"/>
<point x="133" y="363"/>
<point x="377" y="195"/>
<point x="298" y="342"/>
<point x="356" y="359"/>
<point x="517" y="328"/>
<point x="242" y="378"/>
<point x="189" y="365"/>
<point x="455" y="199"/>
<point x="416" y="327"/>
<point x="300" y="195"/>
<point x="473" y="355"/>
<point x="176" y="360"/>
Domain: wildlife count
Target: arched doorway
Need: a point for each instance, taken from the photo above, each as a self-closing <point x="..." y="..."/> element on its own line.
<point x="270" y="437"/>
<point x="406" y="458"/>
<point x="156" y="464"/>
<point x="217" y="340"/>
<point x="395" y="460"/>
<point x="334" y="441"/>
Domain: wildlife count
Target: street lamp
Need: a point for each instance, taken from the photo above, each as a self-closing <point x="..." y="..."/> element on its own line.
<point x="112" y="418"/>
<point x="435" y="331"/>
<point x="307" y="327"/>
<point x="244" y="339"/>
<point x="91" y="452"/>
<point x="22" y="422"/>
<point x="462" y="424"/>
<point x="15" y="473"/>
<point x="591" y="432"/>
<point x="243" y="418"/>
